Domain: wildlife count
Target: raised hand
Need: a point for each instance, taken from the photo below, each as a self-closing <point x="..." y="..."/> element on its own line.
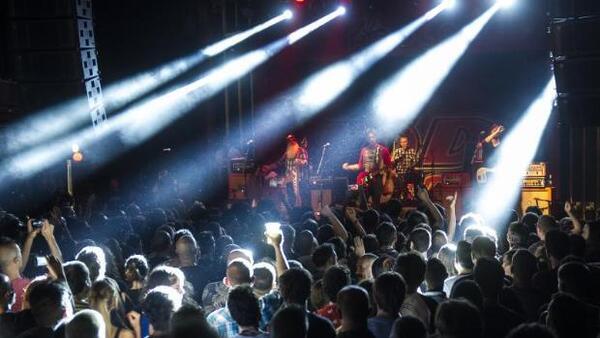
<point x="568" y="207"/>
<point x="47" y="229"/>
<point x="452" y="199"/>
<point x="422" y="194"/>
<point x="274" y="239"/>
<point x="134" y="319"/>
<point x="359" y="246"/>
<point x="31" y="232"/>
<point x="55" y="268"/>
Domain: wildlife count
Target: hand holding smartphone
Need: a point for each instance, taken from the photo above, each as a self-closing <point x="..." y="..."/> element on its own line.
<point x="273" y="233"/>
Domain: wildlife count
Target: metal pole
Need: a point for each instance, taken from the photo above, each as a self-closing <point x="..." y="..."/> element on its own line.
<point x="70" y="177"/>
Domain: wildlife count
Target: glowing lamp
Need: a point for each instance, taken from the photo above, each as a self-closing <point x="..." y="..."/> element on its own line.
<point x="77" y="156"/>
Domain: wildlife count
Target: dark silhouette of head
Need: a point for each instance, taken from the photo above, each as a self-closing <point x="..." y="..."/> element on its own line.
<point x="289" y="322"/>
<point x="408" y="327"/>
<point x="294" y="286"/>
<point x="243" y="306"/>
<point x="334" y="279"/>
<point x="531" y="330"/>
<point x="489" y="276"/>
<point x="389" y="292"/>
<point x="411" y="266"/>
<point x="353" y="302"/>
<point x="458" y="318"/>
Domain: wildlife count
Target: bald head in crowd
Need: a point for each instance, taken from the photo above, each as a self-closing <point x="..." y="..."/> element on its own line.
<point x="10" y="257"/>
<point x="86" y="324"/>
<point x="244" y="254"/>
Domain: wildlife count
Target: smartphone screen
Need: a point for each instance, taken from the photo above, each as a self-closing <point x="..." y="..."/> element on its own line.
<point x="41" y="261"/>
<point x="272" y="228"/>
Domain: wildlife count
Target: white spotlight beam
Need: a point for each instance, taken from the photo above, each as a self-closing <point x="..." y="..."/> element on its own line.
<point x="304" y="31"/>
<point x="323" y="87"/>
<point x="147" y="118"/>
<point x="126" y="91"/>
<point x="61" y="118"/>
<point x="181" y="100"/>
<point x="516" y="152"/>
<point x="400" y="99"/>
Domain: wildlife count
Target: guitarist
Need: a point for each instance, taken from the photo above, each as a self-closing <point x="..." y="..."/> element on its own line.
<point x="373" y="163"/>
<point x="294" y="162"/>
<point x="405" y="159"/>
<point x="484" y="152"/>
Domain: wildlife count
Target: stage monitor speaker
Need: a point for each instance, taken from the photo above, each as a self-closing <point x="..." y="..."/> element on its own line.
<point x="328" y="191"/>
<point x="242" y="186"/>
<point x="319" y="198"/>
<point x="540" y="197"/>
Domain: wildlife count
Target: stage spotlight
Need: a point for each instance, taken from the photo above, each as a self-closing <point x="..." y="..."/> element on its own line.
<point x="449" y="3"/>
<point x="288" y="14"/>
<point x="320" y="89"/>
<point x="414" y="85"/>
<point x="506" y="3"/>
<point x="63" y="118"/>
<point x="516" y="151"/>
<point x="77" y="156"/>
<point x="342" y="10"/>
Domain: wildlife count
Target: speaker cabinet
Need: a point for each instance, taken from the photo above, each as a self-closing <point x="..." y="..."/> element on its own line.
<point x="328" y="191"/>
<point x="242" y="187"/>
<point x="540" y="197"/>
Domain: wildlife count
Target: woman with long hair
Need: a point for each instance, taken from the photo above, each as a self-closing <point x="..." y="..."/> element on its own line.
<point x="104" y="298"/>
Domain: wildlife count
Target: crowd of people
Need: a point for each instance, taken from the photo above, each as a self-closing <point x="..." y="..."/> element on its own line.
<point x="169" y="269"/>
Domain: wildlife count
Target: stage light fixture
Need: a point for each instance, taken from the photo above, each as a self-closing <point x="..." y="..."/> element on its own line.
<point x="449" y="4"/>
<point x="516" y="151"/>
<point x="506" y="3"/>
<point x="77" y="156"/>
<point x="288" y="14"/>
<point x="417" y="82"/>
<point x="342" y="10"/>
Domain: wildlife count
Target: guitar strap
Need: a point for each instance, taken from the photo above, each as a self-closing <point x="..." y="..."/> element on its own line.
<point x="377" y="161"/>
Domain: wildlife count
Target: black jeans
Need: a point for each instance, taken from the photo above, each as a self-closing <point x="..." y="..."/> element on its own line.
<point x="373" y="190"/>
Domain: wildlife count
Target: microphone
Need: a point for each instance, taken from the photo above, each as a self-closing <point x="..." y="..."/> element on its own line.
<point x="326" y="145"/>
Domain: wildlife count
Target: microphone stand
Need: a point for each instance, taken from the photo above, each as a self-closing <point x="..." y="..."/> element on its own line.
<point x="318" y="176"/>
<point x="320" y="166"/>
